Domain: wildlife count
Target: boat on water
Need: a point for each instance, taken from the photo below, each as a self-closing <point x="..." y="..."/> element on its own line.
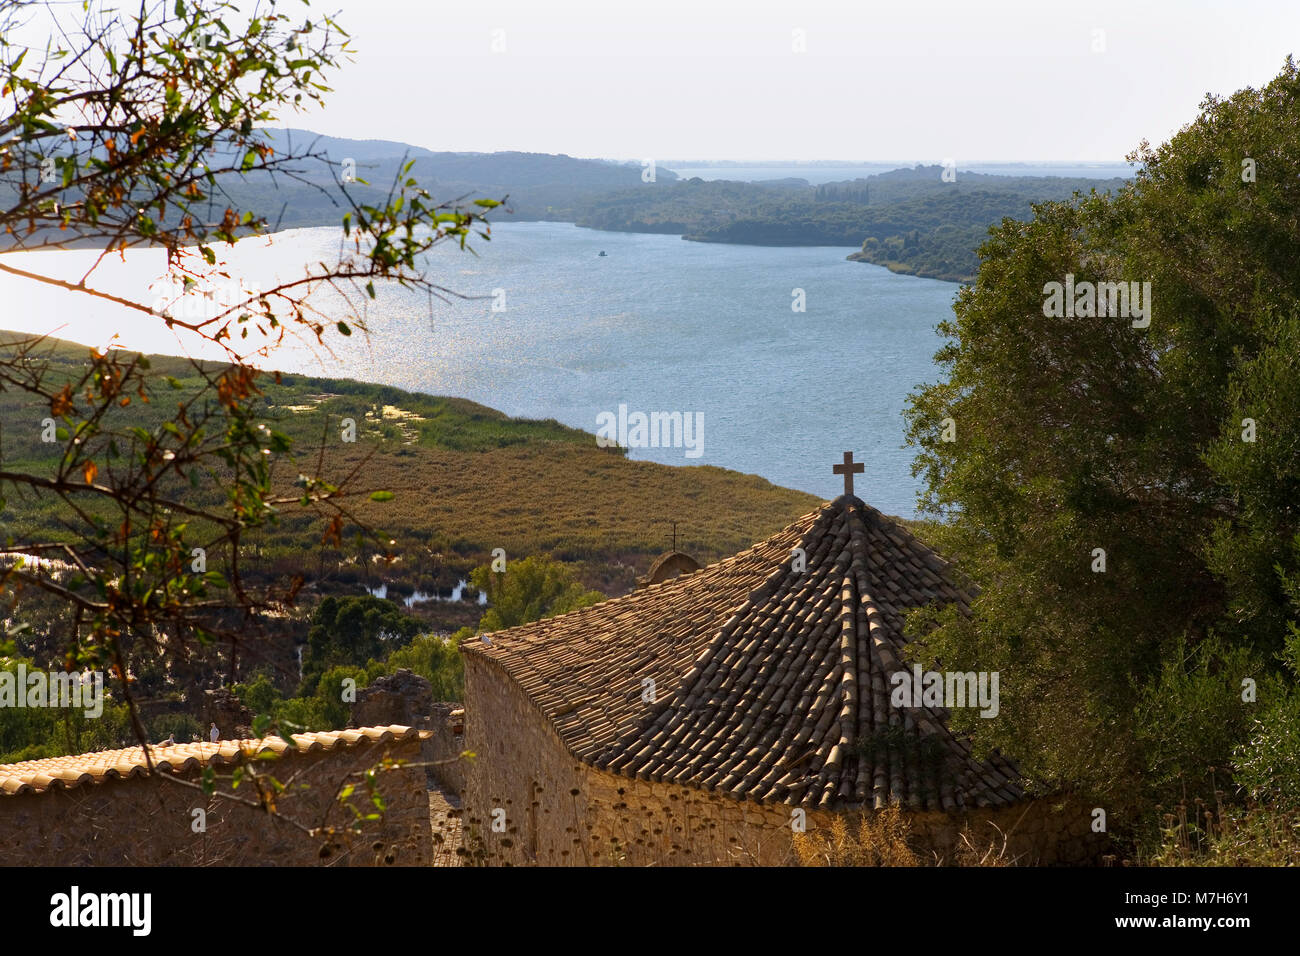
<point x="602" y="252"/>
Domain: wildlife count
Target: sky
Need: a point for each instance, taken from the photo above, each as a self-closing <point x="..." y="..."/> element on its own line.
<point x="713" y="79"/>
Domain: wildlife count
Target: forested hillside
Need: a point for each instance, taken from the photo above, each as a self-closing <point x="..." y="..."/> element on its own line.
<point x="909" y="220"/>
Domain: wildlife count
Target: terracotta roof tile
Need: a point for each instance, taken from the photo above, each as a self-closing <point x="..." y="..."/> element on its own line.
<point x="770" y="684"/>
<point x="50" y="773"/>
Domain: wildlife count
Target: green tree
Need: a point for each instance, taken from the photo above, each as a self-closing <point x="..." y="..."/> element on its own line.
<point x="29" y="733"/>
<point x="124" y="131"/>
<point x="1268" y="763"/>
<point x="528" y="590"/>
<point x="352" y="631"/>
<point x="335" y="709"/>
<point x="260" y="695"/>
<point x="436" y="659"/>
<point x="1129" y="541"/>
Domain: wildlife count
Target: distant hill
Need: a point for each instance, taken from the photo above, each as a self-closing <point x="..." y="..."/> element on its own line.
<point x="908" y="220"/>
<point x="502" y="168"/>
<point x="538" y="185"/>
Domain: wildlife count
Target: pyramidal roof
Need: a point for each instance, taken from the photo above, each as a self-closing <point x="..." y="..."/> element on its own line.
<point x="760" y="679"/>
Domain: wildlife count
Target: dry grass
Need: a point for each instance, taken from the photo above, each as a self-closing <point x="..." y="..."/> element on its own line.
<point x="1197" y="834"/>
<point x="467" y="479"/>
<point x="884" y="838"/>
<point x="879" y="839"/>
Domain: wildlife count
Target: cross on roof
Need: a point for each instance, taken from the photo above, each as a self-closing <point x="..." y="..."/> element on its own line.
<point x="848" y="470"/>
<point x="674" y="535"/>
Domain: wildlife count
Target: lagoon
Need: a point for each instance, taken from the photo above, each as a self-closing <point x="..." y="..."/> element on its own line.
<point x="657" y="324"/>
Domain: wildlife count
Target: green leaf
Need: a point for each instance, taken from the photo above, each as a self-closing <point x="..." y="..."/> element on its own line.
<point x="216" y="578"/>
<point x="381" y="496"/>
<point x="343" y="329"/>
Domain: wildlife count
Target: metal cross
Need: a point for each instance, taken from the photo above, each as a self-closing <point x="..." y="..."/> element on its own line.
<point x="674" y="535"/>
<point x="848" y="470"/>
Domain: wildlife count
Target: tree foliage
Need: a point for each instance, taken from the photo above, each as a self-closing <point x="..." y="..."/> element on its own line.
<point x="125" y="131"/>
<point x="351" y="631"/>
<point x="909" y="220"/>
<point x="1079" y="434"/>
<point x="528" y="590"/>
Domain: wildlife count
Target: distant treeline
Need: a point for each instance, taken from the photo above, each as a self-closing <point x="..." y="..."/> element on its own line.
<point x="910" y="220"/>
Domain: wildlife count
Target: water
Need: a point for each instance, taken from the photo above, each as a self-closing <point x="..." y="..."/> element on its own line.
<point x="659" y="324"/>
<point x="457" y="594"/>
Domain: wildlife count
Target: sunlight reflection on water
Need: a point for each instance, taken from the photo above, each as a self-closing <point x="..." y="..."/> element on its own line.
<point x="659" y="324"/>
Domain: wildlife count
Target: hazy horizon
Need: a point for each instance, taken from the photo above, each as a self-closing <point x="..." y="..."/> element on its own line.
<point x="787" y="82"/>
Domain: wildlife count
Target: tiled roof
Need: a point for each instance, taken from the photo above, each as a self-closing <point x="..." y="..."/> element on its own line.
<point x="770" y="683"/>
<point x="51" y="773"/>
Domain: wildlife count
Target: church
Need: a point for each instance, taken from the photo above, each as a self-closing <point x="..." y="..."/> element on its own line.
<point x="711" y="717"/>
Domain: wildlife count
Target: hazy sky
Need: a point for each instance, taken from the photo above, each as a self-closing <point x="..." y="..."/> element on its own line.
<point x="714" y="79"/>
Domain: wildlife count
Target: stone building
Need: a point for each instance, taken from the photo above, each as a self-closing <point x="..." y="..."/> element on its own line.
<point x="403" y="697"/>
<point x="107" y="809"/>
<point x="669" y="565"/>
<point x="707" y="718"/>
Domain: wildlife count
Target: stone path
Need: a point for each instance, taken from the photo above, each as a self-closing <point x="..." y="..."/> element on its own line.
<point x="444" y="818"/>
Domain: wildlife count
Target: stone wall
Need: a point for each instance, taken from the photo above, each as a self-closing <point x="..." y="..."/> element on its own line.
<point x="149" y="821"/>
<point x="520" y="775"/>
<point x="406" y="698"/>
<point x="1043" y="832"/>
<point x="403" y="697"/>
<point x="560" y="812"/>
<point x="444" y="746"/>
<point x="637" y="823"/>
<point x="227" y="711"/>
